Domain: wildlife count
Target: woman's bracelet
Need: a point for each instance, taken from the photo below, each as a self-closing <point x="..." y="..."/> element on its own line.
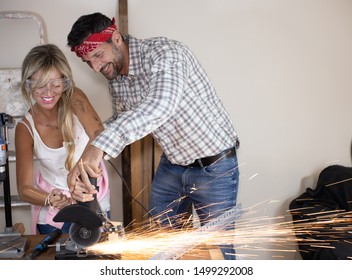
<point x="47" y="201"/>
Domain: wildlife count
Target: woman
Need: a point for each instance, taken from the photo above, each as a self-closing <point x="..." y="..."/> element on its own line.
<point x="51" y="137"/>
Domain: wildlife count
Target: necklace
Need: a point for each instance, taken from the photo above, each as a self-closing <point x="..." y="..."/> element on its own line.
<point x="54" y="126"/>
<point x="49" y="125"/>
<point x="45" y="123"/>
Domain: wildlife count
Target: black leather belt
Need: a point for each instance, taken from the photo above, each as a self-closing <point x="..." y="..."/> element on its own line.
<point x="206" y="161"/>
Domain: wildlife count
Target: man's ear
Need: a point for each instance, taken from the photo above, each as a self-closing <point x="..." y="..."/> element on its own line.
<point x="117" y="38"/>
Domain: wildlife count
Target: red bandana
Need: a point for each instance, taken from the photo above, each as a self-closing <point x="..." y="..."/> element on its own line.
<point x="94" y="40"/>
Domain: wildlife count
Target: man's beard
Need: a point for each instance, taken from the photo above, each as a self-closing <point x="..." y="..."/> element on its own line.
<point x="114" y="72"/>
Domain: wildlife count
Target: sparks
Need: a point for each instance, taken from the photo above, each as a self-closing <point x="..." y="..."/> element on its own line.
<point x="252" y="234"/>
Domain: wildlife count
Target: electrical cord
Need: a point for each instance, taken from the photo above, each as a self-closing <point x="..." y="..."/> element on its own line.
<point x="124" y="183"/>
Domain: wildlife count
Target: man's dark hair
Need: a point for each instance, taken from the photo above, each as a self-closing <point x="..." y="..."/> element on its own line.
<point x="85" y="26"/>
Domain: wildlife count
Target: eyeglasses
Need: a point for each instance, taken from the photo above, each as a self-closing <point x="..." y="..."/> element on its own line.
<point x="56" y="86"/>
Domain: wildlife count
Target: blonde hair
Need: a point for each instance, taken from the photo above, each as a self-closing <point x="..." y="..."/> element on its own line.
<point x="45" y="58"/>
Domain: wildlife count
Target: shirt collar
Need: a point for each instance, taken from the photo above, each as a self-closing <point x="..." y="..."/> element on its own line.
<point x="134" y="67"/>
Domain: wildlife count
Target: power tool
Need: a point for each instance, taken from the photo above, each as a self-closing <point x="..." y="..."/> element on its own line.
<point x="89" y="225"/>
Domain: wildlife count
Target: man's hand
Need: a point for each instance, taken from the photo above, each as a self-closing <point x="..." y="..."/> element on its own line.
<point x="80" y="193"/>
<point x="88" y="166"/>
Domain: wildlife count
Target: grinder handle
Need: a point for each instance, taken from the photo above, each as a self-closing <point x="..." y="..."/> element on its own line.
<point x="92" y="205"/>
<point x="94" y="182"/>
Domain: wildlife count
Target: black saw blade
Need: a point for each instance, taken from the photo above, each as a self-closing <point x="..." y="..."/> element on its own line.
<point x="84" y="237"/>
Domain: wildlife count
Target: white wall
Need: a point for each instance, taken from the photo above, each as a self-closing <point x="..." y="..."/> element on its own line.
<point x="282" y="67"/>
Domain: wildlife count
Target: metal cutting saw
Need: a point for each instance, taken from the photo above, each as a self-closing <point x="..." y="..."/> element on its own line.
<point x="89" y="225"/>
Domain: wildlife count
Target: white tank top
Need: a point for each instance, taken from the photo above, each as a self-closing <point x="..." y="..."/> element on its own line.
<point x="50" y="161"/>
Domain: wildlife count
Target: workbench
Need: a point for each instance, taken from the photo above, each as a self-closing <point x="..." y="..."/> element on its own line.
<point x="212" y="252"/>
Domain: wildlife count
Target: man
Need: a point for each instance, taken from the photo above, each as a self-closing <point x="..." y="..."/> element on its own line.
<point x="158" y="87"/>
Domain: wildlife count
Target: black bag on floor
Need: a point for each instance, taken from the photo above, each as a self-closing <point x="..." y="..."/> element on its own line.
<point x="321" y="217"/>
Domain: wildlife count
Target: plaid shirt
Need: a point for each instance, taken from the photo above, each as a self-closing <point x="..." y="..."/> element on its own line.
<point x="167" y="94"/>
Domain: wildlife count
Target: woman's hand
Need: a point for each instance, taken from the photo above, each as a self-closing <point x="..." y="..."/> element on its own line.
<point x="58" y="200"/>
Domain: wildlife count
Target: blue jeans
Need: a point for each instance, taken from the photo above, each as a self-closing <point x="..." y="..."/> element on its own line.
<point x="211" y="189"/>
<point x="47" y="229"/>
